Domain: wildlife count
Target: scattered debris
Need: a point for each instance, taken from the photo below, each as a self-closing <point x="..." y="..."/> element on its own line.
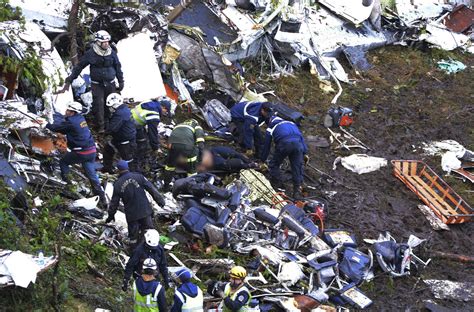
<point x="444" y="289"/>
<point x="434" y="221"/>
<point x="451" y="66"/>
<point x="20" y="269"/>
<point x="360" y="163"/>
<point x="434" y="192"/>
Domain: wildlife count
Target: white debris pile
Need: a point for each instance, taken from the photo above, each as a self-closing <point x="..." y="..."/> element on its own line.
<point x="360" y="163"/>
<point x="21" y="269"/>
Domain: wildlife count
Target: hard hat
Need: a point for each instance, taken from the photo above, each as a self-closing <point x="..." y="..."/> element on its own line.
<point x="184" y="275"/>
<point x="102" y="36"/>
<point x="149" y="264"/>
<point x="152" y="238"/>
<point x="238" y="272"/>
<point x="75" y="107"/>
<point x="114" y="100"/>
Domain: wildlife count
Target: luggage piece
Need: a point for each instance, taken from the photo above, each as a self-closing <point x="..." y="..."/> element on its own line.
<point x="301" y="217"/>
<point x="433" y="191"/>
<point x="355" y="265"/>
<point x="194" y="221"/>
<point x="288" y="113"/>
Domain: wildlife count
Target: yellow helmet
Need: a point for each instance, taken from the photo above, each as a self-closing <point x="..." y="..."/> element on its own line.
<point x="238" y="272"/>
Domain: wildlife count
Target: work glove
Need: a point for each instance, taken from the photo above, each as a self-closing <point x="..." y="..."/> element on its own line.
<point x="125" y="284"/>
<point x="263" y="167"/>
<point x="220" y="293"/>
<point x="110" y="218"/>
<point x="120" y="86"/>
<point x="161" y="202"/>
<point x="306" y="159"/>
<point x="249" y="153"/>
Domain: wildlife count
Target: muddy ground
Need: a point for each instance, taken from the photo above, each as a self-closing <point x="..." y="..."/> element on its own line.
<point x="400" y="103"/>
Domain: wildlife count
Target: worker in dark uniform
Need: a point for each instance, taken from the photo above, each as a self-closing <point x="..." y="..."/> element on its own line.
<point x="246" y="118"/>
<point x="147" y="116"/>
<point x="130" y="188"/>
<point x="82" y="146"/>
<point x="186" y="143"/>
<point x="122" y="129"/>
<point x="104" y="68"/>
<point x="224" y="158"/>
<point x="150" y="248"/>
<point x="289" y="142"/>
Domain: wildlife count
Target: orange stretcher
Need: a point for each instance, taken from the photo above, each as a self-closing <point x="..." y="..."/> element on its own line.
<point x="433" y="191"/>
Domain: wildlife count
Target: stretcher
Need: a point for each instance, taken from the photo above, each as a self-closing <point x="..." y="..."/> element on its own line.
<point x="433" y="191"/>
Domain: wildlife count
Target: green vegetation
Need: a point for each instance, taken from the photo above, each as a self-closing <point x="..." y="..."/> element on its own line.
<point x="8" y="13"/>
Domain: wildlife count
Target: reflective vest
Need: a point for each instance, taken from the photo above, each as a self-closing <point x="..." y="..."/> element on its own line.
<point x="233" y="296"/>
<point x="191" y="304"/>
<point x="148" y="303"/>
<point x="280" y="122"/>
<point x="141" y="116"/>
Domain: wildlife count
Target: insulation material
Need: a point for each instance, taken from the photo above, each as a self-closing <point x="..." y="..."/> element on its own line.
<point x="449" y="162"/>
<point x="361" y="163"/>
<point x="140" y="68"/>
<point x="290" y="273"/>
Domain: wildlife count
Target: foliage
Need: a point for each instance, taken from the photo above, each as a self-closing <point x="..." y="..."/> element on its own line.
<point x="8" y="13"/>
<point x="30" y="69"/>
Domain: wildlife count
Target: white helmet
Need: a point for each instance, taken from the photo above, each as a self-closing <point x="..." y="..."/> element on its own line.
<point x="75" y="107"/>
<point x="150" y="264"/>
<point x="102" y="36"/>
<point x="152" y="238"/>
<point x="114" y="100"/>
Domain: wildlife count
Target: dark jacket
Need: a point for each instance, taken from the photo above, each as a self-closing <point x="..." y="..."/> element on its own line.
<point x="143" y="252"/>
<point x="146" y="288"/>
<point x="130" y="187"/>
<point x="250" y="115"/>
<point x="102" y="68"/>
<point x="188" y="133"/>
<point x="121" y="126"/>
<point x="76" y="130"/>
<point x="281" y="131"/>
<point x="188" y="289"/>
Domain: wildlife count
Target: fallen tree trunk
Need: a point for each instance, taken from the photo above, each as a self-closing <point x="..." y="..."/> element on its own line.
<point x="453" y="257"/>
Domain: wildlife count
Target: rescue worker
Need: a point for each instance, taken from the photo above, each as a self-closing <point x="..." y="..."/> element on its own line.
<point x="147" y="116"/>
<point x="130" y="188"/>
<point x="150" y="248"/>
<point x="81" y="145"/>
<point x="148" y="293"/>
<point x="236" y="296"/>
<point x="187" y="297"/>
<point x="186" y="143"/>
<point x="224" y="158"/>
<point x="246" y="118"/>
<point x="104" y="68"/>
<point x="289" y="142"/>
<point x="122" y="129"/>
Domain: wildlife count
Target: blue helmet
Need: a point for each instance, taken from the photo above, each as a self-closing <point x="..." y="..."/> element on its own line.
<point x="184" y="275"/>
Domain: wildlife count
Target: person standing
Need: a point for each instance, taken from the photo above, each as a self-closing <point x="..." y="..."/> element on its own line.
<point x="122" y="129"/>
<point x="235" y="295"/>
<point x="150" y="248"/>
<point x="130" y="188"/>
<point x="147" y="116"/>
<point x="104" y="68"/>
<point x="148" y="293"/>
<point x="81" y="145"/>
<point x="187" y="296"/>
